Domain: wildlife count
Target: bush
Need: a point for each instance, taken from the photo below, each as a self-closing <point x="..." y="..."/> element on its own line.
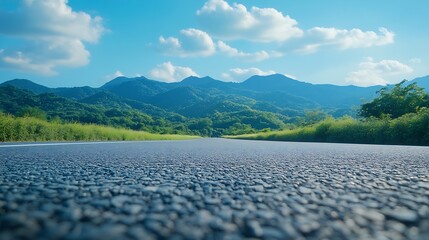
<point x="18" y="129"/>
<point x="409" y="129"/>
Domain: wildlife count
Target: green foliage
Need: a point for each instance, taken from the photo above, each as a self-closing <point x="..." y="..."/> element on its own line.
<point x="216" y="119"/>
<point x="203" y="126"/>
<point x="395" y="102"/>
<point x="312" y="117"/>
<point x="32" y="112"/>
<point x="408" y="129"/>
<point x="49" y="106"/>
<point x="18" y="129"/>
<point x="399" y="115"/>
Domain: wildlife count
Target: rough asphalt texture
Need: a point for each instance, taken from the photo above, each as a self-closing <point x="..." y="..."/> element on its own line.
<point x="214" y="189"/>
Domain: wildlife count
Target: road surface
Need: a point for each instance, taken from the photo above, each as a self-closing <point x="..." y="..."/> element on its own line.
<point x="213" y="189"/>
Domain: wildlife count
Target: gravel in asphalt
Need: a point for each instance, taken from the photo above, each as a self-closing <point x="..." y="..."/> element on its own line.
<point x="214" y="189"/>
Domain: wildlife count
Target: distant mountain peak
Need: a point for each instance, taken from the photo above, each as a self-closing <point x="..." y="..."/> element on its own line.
<point x="275" y="77"/>
<point x="421" y="82"/>
<point x="199" y="79"/>
<point x="122" y="79"/>
<point x="200" y="82"/>
<point x="27" y="85"/>
<point x="19" y="80"/>
<point x="274" y="82"/>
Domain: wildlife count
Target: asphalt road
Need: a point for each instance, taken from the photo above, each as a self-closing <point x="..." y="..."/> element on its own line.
<point x="213" y="189"/>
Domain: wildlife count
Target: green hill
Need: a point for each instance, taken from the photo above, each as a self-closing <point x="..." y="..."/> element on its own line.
<point x="204" y="106"/>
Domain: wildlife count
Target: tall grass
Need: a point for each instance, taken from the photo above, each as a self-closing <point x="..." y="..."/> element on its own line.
<point x="17" y="129"/>
<point x="409" y="129"/>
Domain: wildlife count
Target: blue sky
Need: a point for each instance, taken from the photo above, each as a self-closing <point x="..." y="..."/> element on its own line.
<point x="79" y="42"/>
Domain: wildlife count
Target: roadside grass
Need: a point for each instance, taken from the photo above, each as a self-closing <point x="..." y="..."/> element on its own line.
<point x="409" y="129"/>
<point x="28" y="129"/>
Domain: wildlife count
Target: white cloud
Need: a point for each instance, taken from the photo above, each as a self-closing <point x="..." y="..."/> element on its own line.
<point x="319" y="37"/>
<point x="252" y="57"/>
<point x="116" y="74"/>
<point x="167" y="72"/>
<point x="191" y="43"/>
<point x="241" y="74"/>
<point x="378" y="73"/>
<point x="228" y="22"/>
<point x="42" y="57"/>
<point x="53" y="35"/>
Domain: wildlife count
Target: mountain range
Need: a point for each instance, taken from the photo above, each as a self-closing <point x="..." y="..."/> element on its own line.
<point x="277" y="97"/>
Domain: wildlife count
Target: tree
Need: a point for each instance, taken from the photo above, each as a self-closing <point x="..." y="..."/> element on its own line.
<point x="32" y="112"/>
<point x="312" y="117"/>
<point x="395" y="102"/>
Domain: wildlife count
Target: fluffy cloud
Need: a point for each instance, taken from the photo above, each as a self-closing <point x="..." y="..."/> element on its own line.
<point x="196" y="43"/>
<point x="378" y="73"/>
<point x="116" y="74"/>
<point x="319" y="37"/>
<point x="53" y="35"/>
<point x="43" y="56"/>
<point x="240" y="74"/>
<point x="252" y="57"/>
<point x="237" y="22"/>
<point x="167" y="72"/>
<point x="191" y="43"/>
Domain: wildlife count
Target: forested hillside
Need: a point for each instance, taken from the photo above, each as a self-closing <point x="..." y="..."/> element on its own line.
<point x="398" y="115"/>
<point x="200" y="106"/>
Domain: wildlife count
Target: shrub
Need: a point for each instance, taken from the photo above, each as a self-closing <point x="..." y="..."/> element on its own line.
<point x="19" y="129"/>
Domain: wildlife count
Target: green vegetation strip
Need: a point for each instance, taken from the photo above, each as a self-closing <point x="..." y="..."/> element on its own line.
<point x="18" y="129"/>
<point x="409" y="129"/>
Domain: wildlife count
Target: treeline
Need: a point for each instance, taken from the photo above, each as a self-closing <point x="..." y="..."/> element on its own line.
<point x="18" y="129"/>
<point x="50" y="107"/>
<point x="399" y="115"/>
<point x="409" y="129"/>
<point x="110" y="110"/>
